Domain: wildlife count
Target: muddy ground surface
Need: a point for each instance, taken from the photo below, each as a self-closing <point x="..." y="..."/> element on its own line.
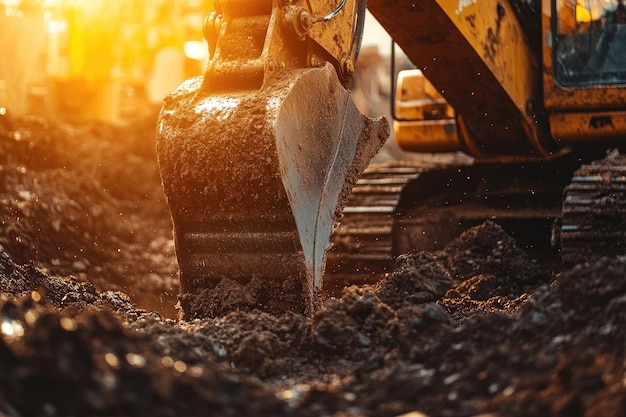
<point x="88" y="323"/>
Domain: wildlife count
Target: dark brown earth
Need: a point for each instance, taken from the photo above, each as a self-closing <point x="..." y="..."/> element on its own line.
<point x="87" y="318"/>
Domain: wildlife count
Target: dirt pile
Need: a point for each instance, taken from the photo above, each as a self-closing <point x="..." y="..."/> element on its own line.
<point x="85" y="200"/>
<point x="490" y="272"/>
<point x="476" y="328"/>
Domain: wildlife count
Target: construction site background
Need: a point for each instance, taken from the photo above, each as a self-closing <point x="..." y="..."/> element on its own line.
<point x="111" y="60"/>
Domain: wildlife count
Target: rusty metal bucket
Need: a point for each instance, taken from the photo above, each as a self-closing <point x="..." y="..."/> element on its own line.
<point x="254" y="181"/>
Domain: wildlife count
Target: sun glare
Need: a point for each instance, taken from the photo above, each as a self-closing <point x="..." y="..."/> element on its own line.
<point x="98" y="59"/>
<point x="582" y="14"/>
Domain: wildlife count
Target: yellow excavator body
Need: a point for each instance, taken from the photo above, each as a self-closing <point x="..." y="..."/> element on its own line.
<point x="424" y="120"/>
<point x="259" y="155"/>
<point x="580" y="100"/>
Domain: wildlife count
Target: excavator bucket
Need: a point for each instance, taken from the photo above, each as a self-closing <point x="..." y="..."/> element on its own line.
<point x="255" y="181"/>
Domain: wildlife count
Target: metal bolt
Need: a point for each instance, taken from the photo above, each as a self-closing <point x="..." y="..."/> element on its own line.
<point x="304" y="21"/>
<point x="348" y="67"/>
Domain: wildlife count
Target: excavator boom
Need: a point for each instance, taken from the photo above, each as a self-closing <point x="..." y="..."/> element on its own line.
<point x="478" y="56"/>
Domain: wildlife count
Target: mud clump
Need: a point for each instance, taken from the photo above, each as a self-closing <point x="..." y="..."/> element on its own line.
<point x="487" y="249"/>
<point x="61" y="292"/>
<point x="416" y="279"/>
<point x="477" y="328"/>
<point x="490" y="272"/>
<point x="352" y="326"/>
<point x="208" y="298"/>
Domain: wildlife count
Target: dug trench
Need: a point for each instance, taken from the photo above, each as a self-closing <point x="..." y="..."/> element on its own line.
<point x="88" y="283"/>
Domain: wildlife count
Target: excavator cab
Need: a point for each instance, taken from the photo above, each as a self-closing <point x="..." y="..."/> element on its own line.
<point x="585" y="70"/>
<point x="589" y="43"/>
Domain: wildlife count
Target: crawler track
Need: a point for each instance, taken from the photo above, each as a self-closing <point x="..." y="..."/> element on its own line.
<point x="402" y="208"/>
<point x="362" y="249"/>
<point x="594" y="223"/>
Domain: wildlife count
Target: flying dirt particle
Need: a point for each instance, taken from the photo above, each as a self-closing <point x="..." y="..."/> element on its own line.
<point x="180" y="366"/>
<point x="167" y="361"/>
<point x="31" y="317"/>
<point x="68" y="324"/>
<point x="112" y="360"/>
<point x="135" y="360"/>
<point x="11" y="329"/>
<point x="414" y="414"/>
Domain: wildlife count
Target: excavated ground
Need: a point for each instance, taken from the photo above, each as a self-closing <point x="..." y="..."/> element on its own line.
<point x="88" y="284"/>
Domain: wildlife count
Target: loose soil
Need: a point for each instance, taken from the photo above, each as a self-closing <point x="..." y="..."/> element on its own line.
<point x="88" y="323"/>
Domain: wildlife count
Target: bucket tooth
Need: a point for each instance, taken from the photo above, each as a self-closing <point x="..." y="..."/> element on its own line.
<point x="254" y="181"/>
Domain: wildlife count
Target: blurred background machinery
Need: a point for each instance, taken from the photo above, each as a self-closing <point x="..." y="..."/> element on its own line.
<point x="112" y="60"/>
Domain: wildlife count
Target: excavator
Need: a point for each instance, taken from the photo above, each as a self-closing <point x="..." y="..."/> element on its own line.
<point x="261" y="157"/>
